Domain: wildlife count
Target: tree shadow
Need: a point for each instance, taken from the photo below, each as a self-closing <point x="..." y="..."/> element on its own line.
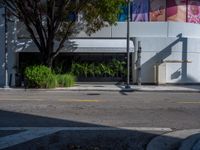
<point x="103" y="139"/>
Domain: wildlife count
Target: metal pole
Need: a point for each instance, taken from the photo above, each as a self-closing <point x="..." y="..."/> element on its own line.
<point x="6" y="50"/>
<point x="128" y="44"/>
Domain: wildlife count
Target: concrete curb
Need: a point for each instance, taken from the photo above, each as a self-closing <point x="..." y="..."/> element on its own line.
<point x="113" y="88"/>
<point x="104" y="90"/>
<point x="171" y="141"/>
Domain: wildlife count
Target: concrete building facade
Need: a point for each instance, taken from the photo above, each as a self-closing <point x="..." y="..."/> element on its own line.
<point x="170" y="50"/>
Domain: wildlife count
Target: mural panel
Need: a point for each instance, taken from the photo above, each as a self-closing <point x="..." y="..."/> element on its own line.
<point x="194" y="11"/>
<point x="123" y="15"/>
<point x="140" y="10"/>
<point x="157" y="10"/>
<point x="163" y="10"/>
<point x="176" y="10"/>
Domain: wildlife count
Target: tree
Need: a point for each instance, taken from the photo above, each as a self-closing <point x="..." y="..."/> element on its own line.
<point x="51" y="20"/>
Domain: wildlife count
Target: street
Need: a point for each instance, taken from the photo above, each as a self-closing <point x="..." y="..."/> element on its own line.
<point x="37" y="108"/>
<point x="80" y="120"/>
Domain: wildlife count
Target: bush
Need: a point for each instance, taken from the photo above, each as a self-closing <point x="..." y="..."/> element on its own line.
<point x="44" y="77"/>
<point x="40" y="77"/>
<point x="66" y="80"/>
<point x="115" y="68"/>
<point x="77" y="69"/>
<point x="52" y="82"/>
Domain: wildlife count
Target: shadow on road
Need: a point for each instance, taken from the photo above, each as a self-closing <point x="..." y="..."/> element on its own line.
<point x="113" y="139"/>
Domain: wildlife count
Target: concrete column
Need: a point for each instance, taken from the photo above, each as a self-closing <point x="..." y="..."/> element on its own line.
<point x="133" y="63"/>
<point x="139" y="77"/>
<point x="2" y="47"/>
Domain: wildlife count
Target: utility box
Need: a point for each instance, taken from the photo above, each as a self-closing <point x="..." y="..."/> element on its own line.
<point x="160" y="73"/>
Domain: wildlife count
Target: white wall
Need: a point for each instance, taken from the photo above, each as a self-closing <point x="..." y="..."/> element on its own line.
<point x="11" y="50"/>
<point x="149" y="29"/>
<point x="139" y="29"/>
<point x="160" y="41"/>
<point x="158" y="50"/>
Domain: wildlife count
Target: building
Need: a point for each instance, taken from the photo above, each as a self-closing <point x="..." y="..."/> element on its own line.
<point x="169" y="32"/>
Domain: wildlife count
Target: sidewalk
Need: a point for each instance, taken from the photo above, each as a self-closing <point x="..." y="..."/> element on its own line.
<point x="143" y="88"/>
<point x="121" y="88"/>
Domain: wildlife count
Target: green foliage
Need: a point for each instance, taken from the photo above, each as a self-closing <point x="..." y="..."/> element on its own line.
<point x="97" y="70"/>
<point x="100" y="13"/>
<point x="60" y="80"/>
<point x="44" y="77"/>
<point x="58" y="68"/>
<point x="40" y="77"/>
<point x="66" y="80"/>
<point x="85" y="68"/>
<point x="77" y="69"/>
<point x="91" y="68"/>
<point x="69" y="80"/>
<point x="114" y="68"/>
<point x="47" y="21"/>
<point x="118" y="66"/>
<point x="52" y="82"/>
<point x="106" y="69"/>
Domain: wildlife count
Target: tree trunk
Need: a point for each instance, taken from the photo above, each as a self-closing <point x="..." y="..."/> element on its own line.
<point x="50" y="62"/>
<point x="47" y="60"/>
<point x="48" y="55"/>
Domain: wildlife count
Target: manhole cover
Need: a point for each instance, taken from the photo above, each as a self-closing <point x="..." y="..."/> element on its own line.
<point x="98" y="86"/>
<point x="93" y="94"/>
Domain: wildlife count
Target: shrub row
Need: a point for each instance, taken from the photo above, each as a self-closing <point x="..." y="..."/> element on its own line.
<point x="115" y="68"/>
<point x="44" y="77"/>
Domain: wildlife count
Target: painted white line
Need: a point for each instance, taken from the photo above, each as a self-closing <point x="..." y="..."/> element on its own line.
<point x="22" y="137"/>
<point x="89" y="128"/>
<point x="146" y="129"/>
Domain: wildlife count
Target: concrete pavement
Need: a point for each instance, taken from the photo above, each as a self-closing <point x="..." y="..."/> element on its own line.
<point x="143" y="88"/>
<point x="117" y="88"/>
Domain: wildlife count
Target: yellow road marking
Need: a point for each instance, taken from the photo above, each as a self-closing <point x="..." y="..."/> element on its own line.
<point x="61" y="100"/>
<point x="80" y="100"/>
<point x="95" y="101"/>
<point x="14" y="99"/>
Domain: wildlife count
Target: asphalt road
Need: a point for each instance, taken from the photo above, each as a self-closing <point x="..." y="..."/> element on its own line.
<point x="77" y="109"/>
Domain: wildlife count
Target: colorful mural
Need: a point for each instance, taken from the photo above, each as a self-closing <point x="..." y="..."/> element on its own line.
<point x="194" y="11"/>
<point x="140" y="10"/>
<point x="163" y="10"/>
<point x="123" y="15"/>
<point x="157" y="10"/>
<point x="176" y="10"/>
